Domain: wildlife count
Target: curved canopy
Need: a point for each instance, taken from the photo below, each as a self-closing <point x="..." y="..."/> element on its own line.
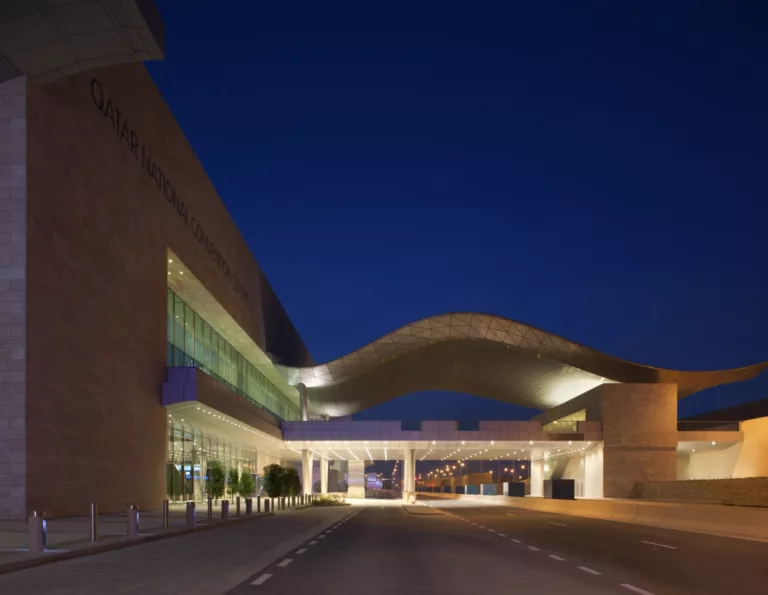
<point x="484" y="355"/>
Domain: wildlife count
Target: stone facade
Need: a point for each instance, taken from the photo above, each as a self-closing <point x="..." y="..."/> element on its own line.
<point x="748" y="491"/>
<point x="107" y="184"/>
<point x="639" y="436"/>
<point x="13" y="297"/>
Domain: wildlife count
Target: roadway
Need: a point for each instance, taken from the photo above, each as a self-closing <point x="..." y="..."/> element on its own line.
<point x="451" y="547"/>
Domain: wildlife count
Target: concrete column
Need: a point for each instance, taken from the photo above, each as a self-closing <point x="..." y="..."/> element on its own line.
<point x="409" y="471"/>
<point x="306" y="472"/>
<point x="356" y="479"/>
<point x="323" y="476"/>
<point x="303" y="402"/>
<point x="537" y="478"/>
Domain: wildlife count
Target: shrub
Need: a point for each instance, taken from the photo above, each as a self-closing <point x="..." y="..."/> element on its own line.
<point x="291" y="482"/>
<point x="272" y="482"/>
<point x="330" y="500"/>
<point x="216" y="479"/>
<point x="246" y="485"/>
<point x="234" y="482"/>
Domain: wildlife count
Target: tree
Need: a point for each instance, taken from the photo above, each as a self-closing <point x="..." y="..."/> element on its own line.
<point x="216" y="479"/>
<point x="291" y="482"/>
<point x="246" y="485"/>
<point x="234" y="482"/>
<point x="272" y="483"/>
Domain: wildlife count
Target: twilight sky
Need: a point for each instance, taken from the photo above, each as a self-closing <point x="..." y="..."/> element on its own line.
<point x="594" y="169"/>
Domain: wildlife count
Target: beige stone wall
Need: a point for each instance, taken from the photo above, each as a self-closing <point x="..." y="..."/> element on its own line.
<point x="98" y="232"/>
<point x="750" y="491"/>
<point x="753" y="457"/>
<point x="13" y="274"/>
<point x="639" y="436"/>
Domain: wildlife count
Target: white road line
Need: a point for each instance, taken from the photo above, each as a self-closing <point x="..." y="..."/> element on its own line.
<point x="474" y="523"/>
<point x="312" y="542"/>
<point x="669" y="547"/>
<point x="481" y="526"/>
<point x="321" y="536"/>
<point x="535" y="549"/>
<point x="285" y="562"/>
<point x="502" y="535"/>
<point x="635" y="589"/>
<point x="262" y="579"/>
<point x="517" y="541"/>
<point x="558" y="524"/>
<point x="510" y="514"/>
<point x="558" y="558"/>
<point x="491" y="530"/>
<point x="301" y="551"/>
<point x="589" y="570"/>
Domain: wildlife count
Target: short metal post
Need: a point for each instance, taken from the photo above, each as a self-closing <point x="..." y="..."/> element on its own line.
<point x="38" y="532"/>
<point x="166" y="514"/>
<point x="191" y="514"/>
<point x="225" y="510"/>
<point x="266" y="504"/>
<point x="133" y="521"/>
<point x="94" y="522"/>
<point x="248" y="506"/>
<point x="258" y="504"/>
<point x="237" y="506"/>
<point x="210" y="509"/>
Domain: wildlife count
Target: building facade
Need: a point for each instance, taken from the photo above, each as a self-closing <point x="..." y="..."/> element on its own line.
<point x="105" y="210"/>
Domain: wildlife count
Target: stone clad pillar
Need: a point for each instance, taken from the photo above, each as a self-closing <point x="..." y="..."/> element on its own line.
<point x="323" y="476"/>
<point x="409" y="471"/>
<point x="306" y="472"/>
<point x="356" y="479"/>
<point x="639" y="436"/>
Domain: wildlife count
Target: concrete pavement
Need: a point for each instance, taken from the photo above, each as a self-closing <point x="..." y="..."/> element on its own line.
<point x="206" y="563"/>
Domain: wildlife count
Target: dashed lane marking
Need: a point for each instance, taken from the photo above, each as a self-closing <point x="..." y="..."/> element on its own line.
<point x="285" y="562"/>
<point x="510" y="514"/>
<point x="491" y="531"/>
<point x="558" y="558"/>
<point x="301" y="551"/>
<point x="516" y="541"/>
<point x="558" y="524"/>
<point x="669" y="547"/>
<point x="312" y="542"/>
<point x="262" y="579"/>
<point x="502" y="535"/>
<point x="589" y="570"/>
<point x="535" y="549"/>
<point x="635" y="589"/>
<point x="321" y="536"/>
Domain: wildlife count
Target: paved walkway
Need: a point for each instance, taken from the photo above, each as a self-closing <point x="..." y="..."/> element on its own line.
<point x="206" y="563"/>
<point x="73" y="533"/>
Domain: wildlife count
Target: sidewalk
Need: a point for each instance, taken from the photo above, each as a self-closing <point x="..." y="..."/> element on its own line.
<point x="204" y="563"/>
<point x="73" y="533"/>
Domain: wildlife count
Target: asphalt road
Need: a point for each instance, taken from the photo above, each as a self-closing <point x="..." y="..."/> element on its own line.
<point x="454" y="548"/>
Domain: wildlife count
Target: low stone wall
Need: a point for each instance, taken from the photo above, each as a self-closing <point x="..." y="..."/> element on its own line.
<point x="747" y="491"/>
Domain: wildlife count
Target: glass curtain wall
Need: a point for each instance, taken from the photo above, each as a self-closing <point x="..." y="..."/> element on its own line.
<point x="190" y="451"/>
<point x="192" y="342"/>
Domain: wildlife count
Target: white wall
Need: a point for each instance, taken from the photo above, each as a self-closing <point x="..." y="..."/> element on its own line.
<point x="593" y="472"/>
<point x="715" y="464"/>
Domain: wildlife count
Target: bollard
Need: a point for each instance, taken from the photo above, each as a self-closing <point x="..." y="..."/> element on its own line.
<point x="248" y="506"/>
<point x="166" y="514"/>
<point x="191" y="514"/>
<point x="133" y="521"/>
<point x="38" y="532"/>
<point x="94" y="521"/>
<point x="266" y="504"/>
<point x="225" y="510"/>
<point x="237" y="506"/>
<point x="210" y="509"/>
<point x="258" y="504"/>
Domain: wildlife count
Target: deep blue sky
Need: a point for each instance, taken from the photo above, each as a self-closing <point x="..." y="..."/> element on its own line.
<point x="599" y="170"/>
